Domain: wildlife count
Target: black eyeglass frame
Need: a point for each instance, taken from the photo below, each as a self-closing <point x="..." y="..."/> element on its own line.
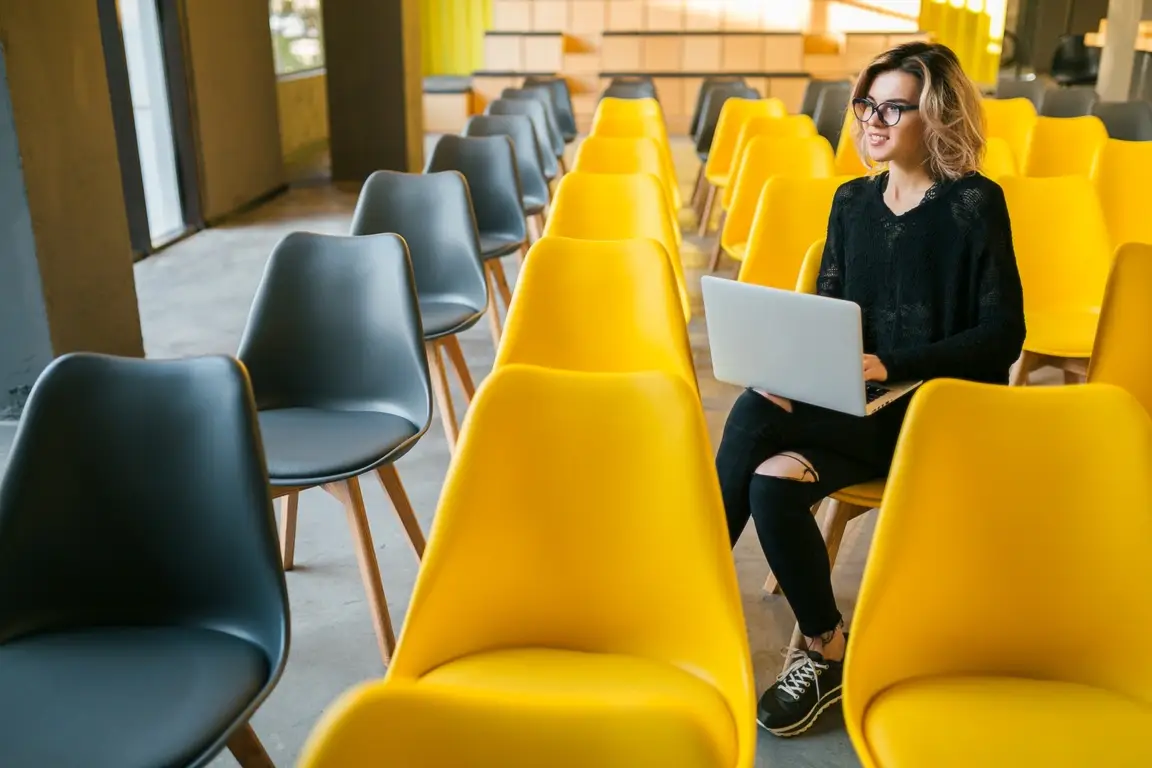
<point x="874" y="109"/>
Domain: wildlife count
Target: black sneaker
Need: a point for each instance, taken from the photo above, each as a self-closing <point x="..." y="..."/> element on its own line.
<point x="808" y="685"/>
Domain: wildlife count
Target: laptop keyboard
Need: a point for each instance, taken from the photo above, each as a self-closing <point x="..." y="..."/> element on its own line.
<point x="874" y="392"/>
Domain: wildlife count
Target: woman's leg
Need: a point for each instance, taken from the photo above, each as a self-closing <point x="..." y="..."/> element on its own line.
<point x="752" y="433"/>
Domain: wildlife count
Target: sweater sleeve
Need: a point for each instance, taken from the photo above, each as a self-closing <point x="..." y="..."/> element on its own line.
<point x="988" y="349"/>
<point x="831" y="279"/>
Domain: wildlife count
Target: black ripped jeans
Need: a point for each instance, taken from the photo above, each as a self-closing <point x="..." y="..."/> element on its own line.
<point x="842" y="450"/>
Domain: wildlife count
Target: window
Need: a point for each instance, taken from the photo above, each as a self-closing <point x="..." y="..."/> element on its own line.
<point x="297" y="44"/>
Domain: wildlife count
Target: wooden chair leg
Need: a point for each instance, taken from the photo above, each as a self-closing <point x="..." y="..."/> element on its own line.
<point x="493" y="310"/>
<point x="697" y="188"/>
<point x="1024" y="366"/>
<point x="714" y="261"/>
<point x="502" y="283"/>
<point x="247" y="749"/>
<point x="451" y="346"/>
<point x="441" y="392"/>
<point x="288" y="506"/>
<point x="348" y="493"/>
<point x="706" y="213"/>
<point x="835" y="521"/>
<point x="390" y="479"/>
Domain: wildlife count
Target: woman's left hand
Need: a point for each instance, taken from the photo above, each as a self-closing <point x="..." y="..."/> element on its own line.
<point x="874" y="370"/>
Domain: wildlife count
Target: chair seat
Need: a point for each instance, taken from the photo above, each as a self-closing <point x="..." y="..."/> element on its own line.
<point x="867" y="495"/>
<point x="444" y="318"/>
<point x="309" y="446"/>
<point x="511" y="707"/>
<point x="493" y="246"/>
<point x="123" y="698"/>
<point x="1062" y="334"/>
<point x="991" y="722"/>
<point x="737" y="251"/>
<point x="533" y="205"/>
<point x="717" y="179"/>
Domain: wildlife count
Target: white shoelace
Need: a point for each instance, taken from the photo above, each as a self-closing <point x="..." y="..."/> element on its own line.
<point x="800" y="671"/>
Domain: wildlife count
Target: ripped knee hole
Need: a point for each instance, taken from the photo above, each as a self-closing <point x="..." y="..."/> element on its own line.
<point x="789" y="466"/>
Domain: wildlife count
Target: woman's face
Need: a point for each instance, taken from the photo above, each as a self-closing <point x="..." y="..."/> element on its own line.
<point x="904" y="141"/>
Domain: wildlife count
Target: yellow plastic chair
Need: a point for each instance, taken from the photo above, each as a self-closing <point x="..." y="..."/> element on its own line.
<point x="539" y="632"/>
<point x="611" y="107"/>
<point x="848" y="161"/>
<point x="998" y="161"/>
<point x="617" y="206"/>
<point x="1010" y="120"/>
<point x="791" y="126"/>
<point x="1122" y="174"/>
<point x="1014" y="531"/>
<point x="1064" y="146"/>
<point x="766" y="158"/>
<point x="722" y="154"/>
<point x="605" y="154"/>
<point x="1122" y="355"/>
<point x="1063" y="254"/>
<point x="586" y="305"/>
<point x="638" y="127"/>
<point x="790" y="214"/>
<point x="809" y="277"/>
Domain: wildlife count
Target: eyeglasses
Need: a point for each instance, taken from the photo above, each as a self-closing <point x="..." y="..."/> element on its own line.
<point x="888" y="112"/>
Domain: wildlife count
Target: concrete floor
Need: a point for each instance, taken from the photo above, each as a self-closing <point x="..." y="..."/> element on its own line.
<point x="194" y="299"/>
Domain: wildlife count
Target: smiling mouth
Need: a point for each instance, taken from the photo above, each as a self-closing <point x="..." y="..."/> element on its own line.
<point x="876" y="139"/>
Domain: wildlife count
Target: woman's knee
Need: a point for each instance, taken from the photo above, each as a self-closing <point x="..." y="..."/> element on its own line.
<point x="788" y="466"/>
<point x="779" y="500"/>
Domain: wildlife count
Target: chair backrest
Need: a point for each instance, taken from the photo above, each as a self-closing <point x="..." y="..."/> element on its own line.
<point x="499" y="574"/>
<point x="643" y="108"/>
<point x="1076" y="101"/>
<point x="812" y="93"/>
<point x="609" y="306"/>
<point x="136" y="495"/>
<point x="733" y="116"/>
<point x="433" y="213"/>
<point x="542" y="95"/>
<point x="534" y="110"/>
<point x="797" y="126"/>
<point x="998" y="160"/>
<point x="1122" y="174"/>
<point x="1064" y="146"/>
<point x="529" y="158"/>
<point x="1121" y="354"/>
<point x="1073" y="62"/>
<point x="1011" y="120"/>
<point x="713" y="105"/>
<point x="1041" y="514"/>
<point x="623" y="127"/>
<point x="1126" y="120"/>
<point x="848" y="160"/>
<point x="633" y="87"/>
<point x="809" y="277"/>
<point x="768" y="157"/>
<point x="702" y="97"/>
<point x="1033" y="90"/>
<point x="610" y="154"/>
<point x="1061" y="241"/>
<point x="336" y="324"/>
<point x="791" y="213"/>
<point x="489" y="165"/>
<point x="617" y="206"/>
<point x="831" y="107"/>
<point x="561" y="98"/>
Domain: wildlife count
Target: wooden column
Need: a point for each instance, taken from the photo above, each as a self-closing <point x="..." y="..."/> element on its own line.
<point x="1118" y="56"/>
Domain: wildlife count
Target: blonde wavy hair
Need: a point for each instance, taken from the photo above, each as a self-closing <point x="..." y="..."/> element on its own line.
<point x="949" y="106"/>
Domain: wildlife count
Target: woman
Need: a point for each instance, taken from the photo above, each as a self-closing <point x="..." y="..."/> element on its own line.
<point x="925" y="248"/>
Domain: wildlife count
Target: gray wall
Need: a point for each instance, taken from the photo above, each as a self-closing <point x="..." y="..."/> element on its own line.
<point x="229" y="46"/>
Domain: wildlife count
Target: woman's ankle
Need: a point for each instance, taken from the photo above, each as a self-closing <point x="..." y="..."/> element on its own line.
<point x="830" y="645"/>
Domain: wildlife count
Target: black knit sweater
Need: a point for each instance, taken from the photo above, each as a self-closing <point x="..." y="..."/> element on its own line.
<point x="938" y="288"/>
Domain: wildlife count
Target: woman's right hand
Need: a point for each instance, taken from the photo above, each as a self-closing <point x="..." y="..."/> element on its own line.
<point x="783" y="402"/>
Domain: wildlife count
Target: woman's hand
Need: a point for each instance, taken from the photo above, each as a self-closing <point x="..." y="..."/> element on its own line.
<point x="783" y="402"/>
<point x="874" y="370"/>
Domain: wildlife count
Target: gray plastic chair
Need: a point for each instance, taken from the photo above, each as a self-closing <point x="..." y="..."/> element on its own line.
<point x="710" y="115"/>
<point x="1126" y="120"/>
<point x="335" y="352"/>
<point x="433" y="213"/>
<point x="544" y="96"/>
<point x="645" y="85"/>
<point x="812" y="93"/>
<point x="1075" y="101"/>
<point x="534" y="111"/>
<point x="702" y="95"/>
<point x="529" y="162"/>
<point x="1033" y="90"/>
<point x="831" y="106"/>
<point x="143" y="611"/>
<point x="628" y="91"/>
<point x="562" y="99"/>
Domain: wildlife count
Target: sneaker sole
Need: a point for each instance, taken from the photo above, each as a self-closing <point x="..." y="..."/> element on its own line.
<point x="807" y="722"/>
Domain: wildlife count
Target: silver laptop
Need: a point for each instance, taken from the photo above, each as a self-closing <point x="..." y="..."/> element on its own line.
<point x="796" y="345"/>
